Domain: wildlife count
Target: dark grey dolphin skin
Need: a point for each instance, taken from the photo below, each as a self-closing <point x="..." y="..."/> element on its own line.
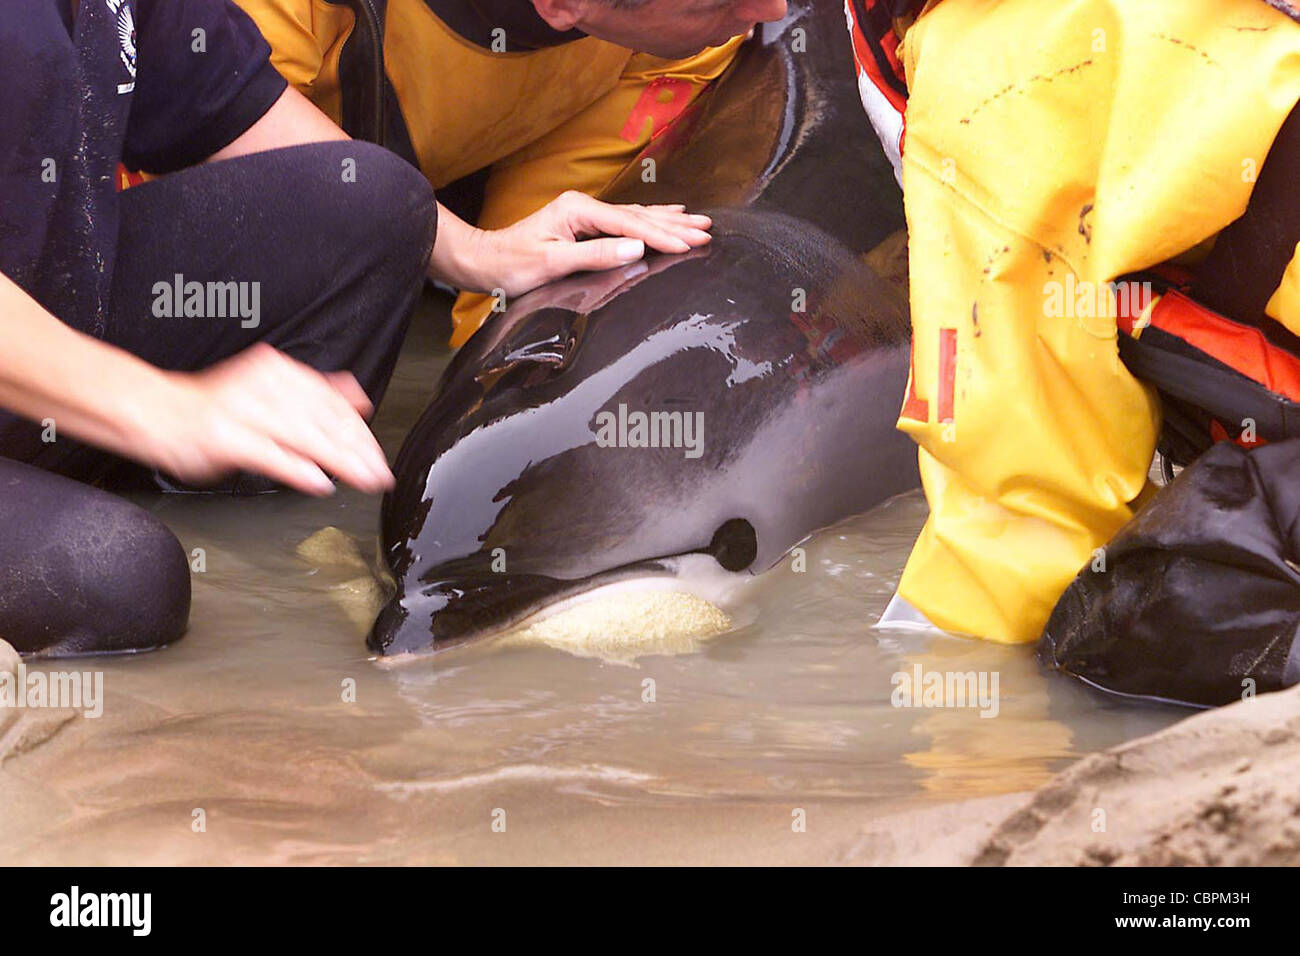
<point x="793" y="350"/>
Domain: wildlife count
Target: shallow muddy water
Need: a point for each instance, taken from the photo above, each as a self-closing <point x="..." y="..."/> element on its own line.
<point x="237" y="744"/>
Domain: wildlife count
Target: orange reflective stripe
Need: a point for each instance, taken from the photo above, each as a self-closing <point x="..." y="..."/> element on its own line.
<point x="1219" y="433"/>
<point x="126" y="179"/>
<point x="1131" y="300"/>
<point x="947" y="373"/>
<point x="661" y="102"/>
<point x="918" y="409"/>
<point x="1241" y="347"/>
<point x="914" y="408"/>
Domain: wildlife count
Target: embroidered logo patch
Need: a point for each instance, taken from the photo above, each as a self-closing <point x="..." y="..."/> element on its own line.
<point x="121" y="10"/>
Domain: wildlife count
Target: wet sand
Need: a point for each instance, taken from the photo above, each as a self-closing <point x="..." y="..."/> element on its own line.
<point x="1221" y="788"/>
<point x="268" y="735"/>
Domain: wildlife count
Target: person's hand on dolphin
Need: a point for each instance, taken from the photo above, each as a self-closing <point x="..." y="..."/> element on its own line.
<point x="587" y="293"/>
<point x="573" y="233"/>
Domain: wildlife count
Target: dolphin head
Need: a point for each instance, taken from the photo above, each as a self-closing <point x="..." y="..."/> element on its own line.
<point x="689" y="417"/>
<point x="723" y="403"/>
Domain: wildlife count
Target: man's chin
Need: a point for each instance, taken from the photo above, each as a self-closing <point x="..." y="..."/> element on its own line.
<point x="686" y="52"/>
<point x="681" y="53"/>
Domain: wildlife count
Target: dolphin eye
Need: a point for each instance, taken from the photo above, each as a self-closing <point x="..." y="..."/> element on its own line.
<point x="734" y="545"/>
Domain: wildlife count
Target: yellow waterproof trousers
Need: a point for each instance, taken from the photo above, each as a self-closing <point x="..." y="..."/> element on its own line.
<point x="1051" y="147"/>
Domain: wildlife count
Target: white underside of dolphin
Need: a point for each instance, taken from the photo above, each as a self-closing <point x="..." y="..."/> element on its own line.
<point x="669" y="612"/>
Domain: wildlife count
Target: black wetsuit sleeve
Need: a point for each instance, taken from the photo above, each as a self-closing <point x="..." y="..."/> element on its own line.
<point x="205" y="76"/>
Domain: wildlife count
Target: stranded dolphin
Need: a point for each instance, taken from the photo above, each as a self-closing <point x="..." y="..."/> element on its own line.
<point x="717" y="406"/>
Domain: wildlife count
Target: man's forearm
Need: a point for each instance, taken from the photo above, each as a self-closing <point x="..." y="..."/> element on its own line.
<point x="456" y="251"/>
<point x="91" y="390"/>
<point x="94" y="391"/>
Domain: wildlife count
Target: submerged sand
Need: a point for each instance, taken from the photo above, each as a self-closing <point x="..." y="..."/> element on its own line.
<point x="1218" y="788"/>
<point x="1221" y="788"/>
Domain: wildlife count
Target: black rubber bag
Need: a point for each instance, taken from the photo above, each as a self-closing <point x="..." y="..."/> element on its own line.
<point x="1199" y="599"/>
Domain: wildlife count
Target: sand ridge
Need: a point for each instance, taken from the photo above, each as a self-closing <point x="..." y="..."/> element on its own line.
<point x="1221" y="788"/>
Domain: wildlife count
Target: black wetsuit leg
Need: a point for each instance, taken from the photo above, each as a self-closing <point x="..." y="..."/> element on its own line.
<point x="1249" y="257"/>
<point x="83" y="571"/>
<point x="336" y="236"/>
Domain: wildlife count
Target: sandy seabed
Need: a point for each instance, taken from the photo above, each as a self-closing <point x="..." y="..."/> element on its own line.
<point x="1221" y="788"/>
<point x="1218" y="788"/>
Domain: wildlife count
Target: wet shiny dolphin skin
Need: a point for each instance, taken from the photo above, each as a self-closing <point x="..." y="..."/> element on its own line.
<point x="777" y="338"/>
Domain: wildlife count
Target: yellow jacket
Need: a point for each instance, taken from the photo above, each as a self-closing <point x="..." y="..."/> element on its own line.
<point x="472" y="84"/>
<point x="1054" y="146"/>
<point x="470" y="88"/>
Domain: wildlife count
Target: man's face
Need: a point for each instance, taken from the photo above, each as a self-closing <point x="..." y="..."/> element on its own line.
<point x="676" y="28"/>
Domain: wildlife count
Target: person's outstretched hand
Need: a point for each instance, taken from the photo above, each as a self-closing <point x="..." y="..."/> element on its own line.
<point x="574" y="233"/>
<point x="263" y="412"/>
